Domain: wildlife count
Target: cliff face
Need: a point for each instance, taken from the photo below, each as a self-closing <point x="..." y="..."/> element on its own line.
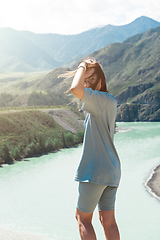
<point x="138" y="112"/>
<point x="133" y="75"/>
<point x="144" y="106"/>
<point x="133" y="91"/>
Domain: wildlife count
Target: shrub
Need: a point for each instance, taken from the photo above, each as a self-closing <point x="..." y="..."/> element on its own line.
<point x="50" y="145"/>
<point x="21" y="148"/>
<point x="27" y="152"/>
<point x="80" y="135"/>
<point x="1" y="160"/>
<point x="15" y="153"/>
<point x="60" y="144"/>
<point x="63" y="140"/>
<point x="41" y="141"/>
<point x="56" y="144"/>
<point x="75" y="139"/>
<point x="69" y="140"/>
<point x="5" y="155"/>
<point x="32" y="149"/>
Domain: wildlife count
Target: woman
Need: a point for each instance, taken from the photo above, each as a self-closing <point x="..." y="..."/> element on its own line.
<point x="99" y="169"/>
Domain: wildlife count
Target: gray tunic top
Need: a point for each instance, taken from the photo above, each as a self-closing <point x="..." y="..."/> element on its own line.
<point x="99" y="162"/>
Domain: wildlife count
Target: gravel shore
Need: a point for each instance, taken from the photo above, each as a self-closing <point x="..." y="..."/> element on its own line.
<point x="153" y="182"/>
<point x="122" y="129"/>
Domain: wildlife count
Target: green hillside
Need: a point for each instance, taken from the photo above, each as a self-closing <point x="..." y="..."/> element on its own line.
<point x="131" y="64"/>
<point x="30" y="132"/>
<point x="134" y="62"/>
<point x="133" y="76"/>
<point x="133" y="73"/>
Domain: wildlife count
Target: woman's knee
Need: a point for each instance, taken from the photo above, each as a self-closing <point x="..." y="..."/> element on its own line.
<point x="107" y="218"/>
<point x="83" y="217"/>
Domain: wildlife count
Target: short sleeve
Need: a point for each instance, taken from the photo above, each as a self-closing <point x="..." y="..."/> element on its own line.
<point x="94" y="102"/>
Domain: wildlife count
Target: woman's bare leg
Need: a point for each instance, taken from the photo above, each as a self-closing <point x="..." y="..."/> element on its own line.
<point x="86" y="229"/>
<point x="108" y="222"/>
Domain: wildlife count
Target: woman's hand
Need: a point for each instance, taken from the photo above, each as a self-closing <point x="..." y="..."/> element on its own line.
<point x="88" y="63"/>
<point x="85" y="70"/>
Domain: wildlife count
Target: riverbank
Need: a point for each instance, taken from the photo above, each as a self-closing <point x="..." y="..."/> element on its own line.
<point x="30" y="133"/>
<point x="122" y="129"/>
<point x="153" y="182"/>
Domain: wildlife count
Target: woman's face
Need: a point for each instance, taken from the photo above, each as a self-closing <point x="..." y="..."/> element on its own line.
<point x="90" y="79"/>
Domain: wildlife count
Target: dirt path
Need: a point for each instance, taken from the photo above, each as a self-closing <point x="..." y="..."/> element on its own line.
<point x="67" y="119"/>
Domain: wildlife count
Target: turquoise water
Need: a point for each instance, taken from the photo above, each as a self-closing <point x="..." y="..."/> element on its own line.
<point x="39" y="196"/>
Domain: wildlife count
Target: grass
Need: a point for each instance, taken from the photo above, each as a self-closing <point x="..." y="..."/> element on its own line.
<point x="15" y="127"/>
<point x="9" y="81"/>
<point x="26" y="132"/>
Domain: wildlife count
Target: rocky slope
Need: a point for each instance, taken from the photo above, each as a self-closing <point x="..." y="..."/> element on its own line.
<point x="144" y="107"/>
<point x="133" y="68"/>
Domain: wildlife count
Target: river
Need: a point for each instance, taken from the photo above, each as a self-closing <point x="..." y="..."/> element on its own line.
<point x="38" y="196"/>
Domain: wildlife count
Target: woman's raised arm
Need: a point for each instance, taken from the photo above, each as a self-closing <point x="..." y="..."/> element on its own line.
<point x="77" y="87"/>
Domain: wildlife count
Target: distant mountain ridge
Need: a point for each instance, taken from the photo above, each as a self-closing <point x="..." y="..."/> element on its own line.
<point x="132" y="69"/>
<point x="26" y="51"/>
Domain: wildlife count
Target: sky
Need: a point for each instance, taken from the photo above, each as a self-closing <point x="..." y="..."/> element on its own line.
<point x="73" y="16"/>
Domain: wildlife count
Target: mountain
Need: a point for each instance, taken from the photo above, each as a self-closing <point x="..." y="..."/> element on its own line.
<point x="17" y="53"/>
<point x="26" y="51"/>
<point x="132" y="69"/>
<point x="133" y="76"/>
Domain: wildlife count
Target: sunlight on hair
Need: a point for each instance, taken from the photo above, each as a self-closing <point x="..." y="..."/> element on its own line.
<point x="67" y="74"/>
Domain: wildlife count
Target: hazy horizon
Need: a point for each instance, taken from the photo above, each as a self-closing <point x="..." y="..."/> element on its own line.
<point x="73" y="16"/>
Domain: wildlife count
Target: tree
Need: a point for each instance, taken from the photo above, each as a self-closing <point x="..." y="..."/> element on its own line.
<point x="15" y="153"/>
<point x="6" y="155"/>
<point x="69" y="139"/>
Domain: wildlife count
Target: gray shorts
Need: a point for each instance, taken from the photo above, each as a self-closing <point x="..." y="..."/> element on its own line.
<point x="91" y="194"/>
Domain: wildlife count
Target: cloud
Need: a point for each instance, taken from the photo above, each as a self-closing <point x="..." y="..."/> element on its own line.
<point x="72" y="16"/>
